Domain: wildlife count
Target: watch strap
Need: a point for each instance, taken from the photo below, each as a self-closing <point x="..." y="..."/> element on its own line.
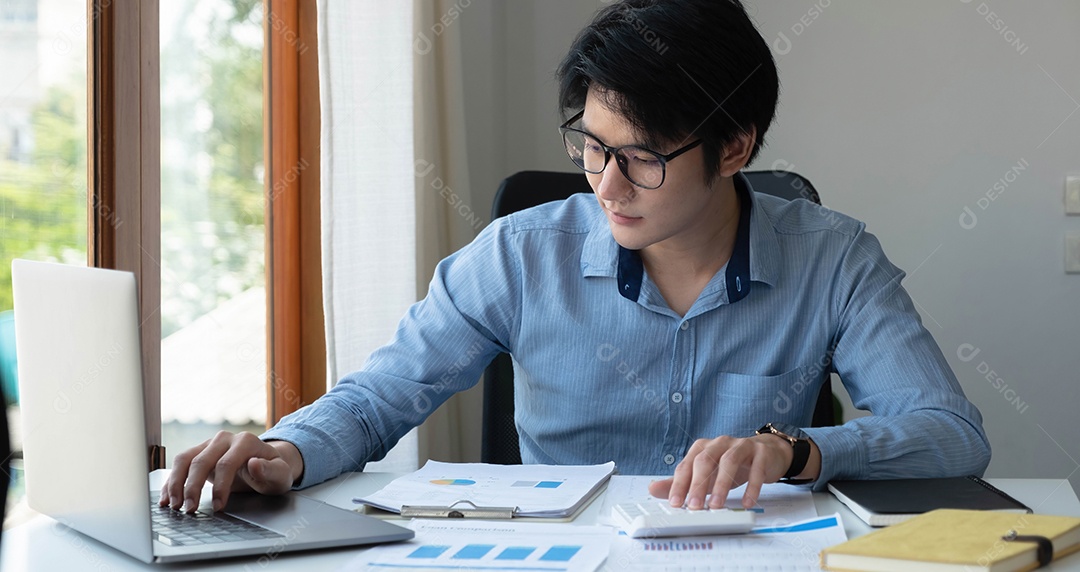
<point x="800" y="456"/>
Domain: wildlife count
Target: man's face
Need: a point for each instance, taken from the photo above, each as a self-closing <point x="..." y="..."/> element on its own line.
<point x="673" y="214"/>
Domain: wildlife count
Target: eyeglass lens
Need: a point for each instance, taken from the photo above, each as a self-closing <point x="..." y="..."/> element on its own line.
<point x="642" y="167"/>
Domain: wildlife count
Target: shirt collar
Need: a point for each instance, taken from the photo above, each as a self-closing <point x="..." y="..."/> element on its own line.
<point x="755" y="257"/>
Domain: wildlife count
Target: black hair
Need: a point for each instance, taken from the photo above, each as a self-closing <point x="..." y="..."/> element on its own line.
<point x="676" y="69"/>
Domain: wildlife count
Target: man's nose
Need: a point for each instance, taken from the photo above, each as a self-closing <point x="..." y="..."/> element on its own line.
<point x="614" y="186"/>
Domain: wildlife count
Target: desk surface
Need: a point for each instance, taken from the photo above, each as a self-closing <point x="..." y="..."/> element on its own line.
<point x="43" y="544"/>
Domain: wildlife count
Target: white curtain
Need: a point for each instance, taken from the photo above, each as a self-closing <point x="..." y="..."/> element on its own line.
<point x="395" y="189"/>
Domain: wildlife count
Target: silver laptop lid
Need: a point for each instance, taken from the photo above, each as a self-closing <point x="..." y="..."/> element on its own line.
<point x="80" y="382"/>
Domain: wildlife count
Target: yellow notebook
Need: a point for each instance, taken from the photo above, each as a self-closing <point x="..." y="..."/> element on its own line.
<point x="961" y="540"/>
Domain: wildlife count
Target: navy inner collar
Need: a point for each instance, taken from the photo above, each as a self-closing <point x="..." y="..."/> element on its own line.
<point x="632" y="270"/>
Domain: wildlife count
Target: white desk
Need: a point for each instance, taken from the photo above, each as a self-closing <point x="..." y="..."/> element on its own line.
<point x="42" y="544"/>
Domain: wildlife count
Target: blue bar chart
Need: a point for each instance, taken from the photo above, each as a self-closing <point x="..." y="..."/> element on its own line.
<point x="477" y="545"/>
<point x="434" y="552"/>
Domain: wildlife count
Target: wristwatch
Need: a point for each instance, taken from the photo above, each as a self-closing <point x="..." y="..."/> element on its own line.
<point x="800" y="444"/>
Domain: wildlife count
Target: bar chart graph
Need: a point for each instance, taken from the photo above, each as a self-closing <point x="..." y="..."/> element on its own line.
<point x="445" y="545"/>
<point x="558" y="553"/>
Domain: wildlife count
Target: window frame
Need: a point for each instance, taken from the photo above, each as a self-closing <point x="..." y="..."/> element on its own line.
<point x="296" y="336"/>
<point x="124" y="170"/>
<point x="124" y="189"/>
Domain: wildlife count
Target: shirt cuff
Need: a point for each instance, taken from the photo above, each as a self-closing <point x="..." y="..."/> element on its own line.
<point x="843" y="454"/>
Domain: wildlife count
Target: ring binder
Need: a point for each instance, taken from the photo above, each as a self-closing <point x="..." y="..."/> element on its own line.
<point x="499" y="512"/>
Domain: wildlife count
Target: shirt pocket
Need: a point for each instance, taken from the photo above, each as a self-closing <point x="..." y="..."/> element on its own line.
<point x="754" y="400"/>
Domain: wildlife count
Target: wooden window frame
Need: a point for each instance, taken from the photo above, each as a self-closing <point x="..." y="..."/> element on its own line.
<point x="124" y="170"/>
<point x="296" y="337"/>
<point x="124" y="189"/>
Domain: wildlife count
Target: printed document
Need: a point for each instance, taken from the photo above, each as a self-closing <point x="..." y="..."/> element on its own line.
<point x="490" y="545"/>
<point x="790" y="548"/>
<point x="535" y="490"/>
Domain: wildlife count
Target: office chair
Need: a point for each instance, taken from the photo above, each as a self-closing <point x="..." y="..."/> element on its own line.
<point x="8" y="386"/>
<point x="531" y="188"/>
<point x="8" y="376"/>
<point x="5" y="462"/>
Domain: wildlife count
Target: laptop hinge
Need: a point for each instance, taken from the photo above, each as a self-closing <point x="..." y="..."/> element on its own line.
<point x="157" y="457"/>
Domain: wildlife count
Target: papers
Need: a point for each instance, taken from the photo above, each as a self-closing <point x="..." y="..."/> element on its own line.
<point x="778" y="503"/>
<point x="789" y="535"/>
<point x="535" y="490"/>
<point x="792" y="548"/>
<point x="486" y="545"/>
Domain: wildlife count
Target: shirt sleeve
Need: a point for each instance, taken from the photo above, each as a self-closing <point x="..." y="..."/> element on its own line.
<point x="440" y="347"/>
<point x="921" y="425"/>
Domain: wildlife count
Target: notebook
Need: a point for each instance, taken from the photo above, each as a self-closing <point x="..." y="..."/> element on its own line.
<point x="84" y="434"/>
<point x="886" y="502"/>
<point x="958" y="540"/>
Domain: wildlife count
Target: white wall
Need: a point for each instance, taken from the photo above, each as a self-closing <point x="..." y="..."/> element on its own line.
<point x="902" y="114"/>
<point x="511" y="50"/>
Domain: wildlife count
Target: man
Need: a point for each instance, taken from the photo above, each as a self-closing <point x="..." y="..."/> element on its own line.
<point x="677" y="323"/>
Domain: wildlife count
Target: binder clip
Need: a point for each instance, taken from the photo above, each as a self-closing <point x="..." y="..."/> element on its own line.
<point x="457" y="511"/>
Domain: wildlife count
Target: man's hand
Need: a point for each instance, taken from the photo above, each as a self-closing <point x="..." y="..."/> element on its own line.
<point x="265" y="467"/>
<point x="718" y="465"/>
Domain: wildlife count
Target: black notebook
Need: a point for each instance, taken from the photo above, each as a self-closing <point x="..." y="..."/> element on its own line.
<point x="885" y="502"/>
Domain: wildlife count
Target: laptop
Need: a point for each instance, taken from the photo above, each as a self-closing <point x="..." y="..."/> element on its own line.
<point x="84" y="434"/>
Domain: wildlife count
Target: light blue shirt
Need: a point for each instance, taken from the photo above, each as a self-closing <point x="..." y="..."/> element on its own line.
<point x="605" y="370"/>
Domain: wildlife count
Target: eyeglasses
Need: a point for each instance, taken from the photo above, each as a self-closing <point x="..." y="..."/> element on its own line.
<point x="642" y="167"/>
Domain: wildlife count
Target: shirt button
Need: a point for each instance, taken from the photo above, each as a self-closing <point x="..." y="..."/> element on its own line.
<point x="685" y="326"/>
<point x="676" y="397"/>
<point x="669" y="459"/>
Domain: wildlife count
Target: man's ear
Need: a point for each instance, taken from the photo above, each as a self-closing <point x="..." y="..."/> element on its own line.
<point x="737" y="153"/>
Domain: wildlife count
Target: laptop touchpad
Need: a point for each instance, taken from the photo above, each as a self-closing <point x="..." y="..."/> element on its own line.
<point x="284" y="513"/>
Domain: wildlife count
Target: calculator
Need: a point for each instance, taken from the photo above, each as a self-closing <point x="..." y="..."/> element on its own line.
<point x="656" y="519"/>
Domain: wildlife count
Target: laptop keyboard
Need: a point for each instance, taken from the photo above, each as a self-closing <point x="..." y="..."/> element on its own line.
<point x="177" y="528"/>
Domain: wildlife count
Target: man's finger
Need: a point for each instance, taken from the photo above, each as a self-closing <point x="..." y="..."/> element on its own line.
<point x="754" y="481"/>
<point x="172" y="494"/>
<point x="243" y="446"/>
<point x="268" y="476"/>
<point x="661" y="489"/>
<point x="705" y="472"/>
<point x="684" y="472"/>
<point x="728" y="474"/>
<point x="201" y="467"/>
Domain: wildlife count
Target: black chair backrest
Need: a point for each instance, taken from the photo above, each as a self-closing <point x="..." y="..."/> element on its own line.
<point x="5" y="462"/>
<point x="531" y="188"/>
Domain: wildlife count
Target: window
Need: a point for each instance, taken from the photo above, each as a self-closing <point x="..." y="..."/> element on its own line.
<point x="173" y="154"/>
<point x="213" y="290"/>
<point x="43" y="198"/>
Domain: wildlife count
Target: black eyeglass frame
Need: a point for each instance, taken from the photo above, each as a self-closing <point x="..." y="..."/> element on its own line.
<point x="620" y="159"/>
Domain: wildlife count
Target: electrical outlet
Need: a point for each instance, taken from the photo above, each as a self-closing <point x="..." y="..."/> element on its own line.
<point x="1072" y="253"/>
<point x="1072" y="195"/>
